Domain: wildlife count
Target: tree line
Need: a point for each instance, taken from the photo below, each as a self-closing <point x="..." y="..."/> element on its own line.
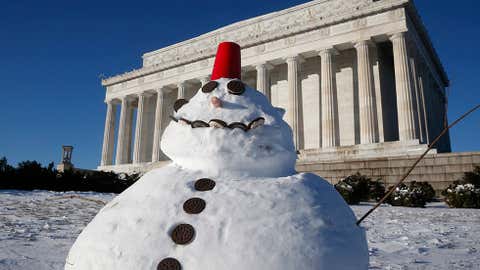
<point x="30" y="175"/>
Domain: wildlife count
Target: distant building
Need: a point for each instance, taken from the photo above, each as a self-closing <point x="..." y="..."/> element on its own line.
<point x="66" y="164"/>
<point x="368" y="82"/>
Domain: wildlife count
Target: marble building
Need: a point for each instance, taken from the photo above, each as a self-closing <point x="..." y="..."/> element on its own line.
<point x="357" y="78"/>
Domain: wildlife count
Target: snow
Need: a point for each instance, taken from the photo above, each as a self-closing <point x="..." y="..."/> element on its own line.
<point x="37" y="228"/>
<point x="435" y="237"/>
<point x="294" y="222"/>
<point x="264" y="151"/>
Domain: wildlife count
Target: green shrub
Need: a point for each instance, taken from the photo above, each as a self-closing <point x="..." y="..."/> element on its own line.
<point x="462" y="195"/>
<point x="413" y="194"/>
<point x="466" y="192"/>
<point x="356" y="188"/>
<point x="427" y="190"/>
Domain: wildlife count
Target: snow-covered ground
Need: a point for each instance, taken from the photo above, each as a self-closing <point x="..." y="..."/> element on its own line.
<point x="37" y="229"/>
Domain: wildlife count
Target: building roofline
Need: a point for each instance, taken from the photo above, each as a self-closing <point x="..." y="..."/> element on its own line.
<point x="374" y="8"/>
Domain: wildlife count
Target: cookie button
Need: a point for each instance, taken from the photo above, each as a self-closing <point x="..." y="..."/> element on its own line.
<point x="169" y="264"/>
<point x="194" y="205"/>
<point x="204" y="184"/>
<point x="183" y="234"/>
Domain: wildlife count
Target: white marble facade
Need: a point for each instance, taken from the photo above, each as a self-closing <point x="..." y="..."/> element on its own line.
<point x="356" y="78"/>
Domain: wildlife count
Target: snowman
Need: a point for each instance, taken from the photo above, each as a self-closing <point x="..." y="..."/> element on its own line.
<point x="230" y="200"/>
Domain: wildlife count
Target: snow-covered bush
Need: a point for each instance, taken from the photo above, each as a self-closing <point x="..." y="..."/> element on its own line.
<point x="464" y="193"/>
<point x="356" y="188"/>
<point x="413" y="194"/>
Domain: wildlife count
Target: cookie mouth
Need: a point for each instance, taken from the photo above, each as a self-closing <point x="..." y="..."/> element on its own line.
<point x="217" y="123"/>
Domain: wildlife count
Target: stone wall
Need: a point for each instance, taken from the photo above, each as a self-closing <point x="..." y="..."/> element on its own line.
<point x="438" y="169"/>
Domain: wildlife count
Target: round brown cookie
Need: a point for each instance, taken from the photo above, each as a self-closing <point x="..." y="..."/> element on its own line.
<point x="183" y="234"/>
<point x="169" y="264"/>
<point x="217" y="123"/>
<point x="199" y="124"/>
<point x="194" y="205"/>
<point x="256" y="123"/>
<point x="179" y="103"/>
<point x="235" y="87"/>
<point x="209" y="87"/>
<point x="204" y="184"/>
<point x="238" y="125"/>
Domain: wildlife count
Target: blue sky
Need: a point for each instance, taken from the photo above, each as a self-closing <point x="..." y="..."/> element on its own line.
<point x="52" y="53"/>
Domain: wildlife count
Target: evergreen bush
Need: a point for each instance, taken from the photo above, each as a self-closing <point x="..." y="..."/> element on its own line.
<point x="356" y="188"/>
<point x="413" y="194"/>
<point x="466" y="192"/>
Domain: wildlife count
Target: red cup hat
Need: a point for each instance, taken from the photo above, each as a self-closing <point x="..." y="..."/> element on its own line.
<point x="227" y="62"/>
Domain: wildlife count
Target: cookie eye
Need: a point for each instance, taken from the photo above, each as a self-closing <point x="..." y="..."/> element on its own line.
<point x="260" y="121"/>
<point x="179" y="104"/>
<point x="217" y="123"/>
<point x="209" y="87"/>
<point x="199" y="124"/>
<point x="239" y="125"/>
<point x="235" y="87"/>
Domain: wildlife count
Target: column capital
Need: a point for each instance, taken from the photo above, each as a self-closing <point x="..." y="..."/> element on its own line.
<point x="143" y="94"/>
<point x="397" y="35"/>
<point x="265" y="65"/>
<point x="163" y="88"/>
<point x="364" y="42"/>
<point x="160" y="91"/>
<point x="181" y="84"/>
<point x="185" y="84"/>
<point x="110" y="101"/>
<point x="204" y="78"/>
<point x="128" y="98"/>
<point x="294" y="58"/>
<point x="329" y="50"/>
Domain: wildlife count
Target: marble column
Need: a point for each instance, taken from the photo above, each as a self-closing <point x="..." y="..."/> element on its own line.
<point x="129" y="133"/>
<point x="295" y="100"/>
<point x="120" y="157"/>
<point x="330" y="136"/>
<point x="182" y="90"/>
<point x="423" y="96"/>
<point x="403" y="81"/>
<point x="366" y="94"/>
<point x="157" y="133"/>
<point x="263" y="78"/>
<point x="137" y="154"/>
<point x="417" y="98"/>
<point x="109" y="134"/>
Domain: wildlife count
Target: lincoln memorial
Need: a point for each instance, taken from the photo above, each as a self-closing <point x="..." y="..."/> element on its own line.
<point x="359" y="79"/>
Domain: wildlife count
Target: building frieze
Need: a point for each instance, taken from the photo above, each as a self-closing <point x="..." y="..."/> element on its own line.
<point x="255" y="31"/>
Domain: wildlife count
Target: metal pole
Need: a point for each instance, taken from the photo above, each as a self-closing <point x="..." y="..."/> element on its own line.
<point x="416" y="162"/>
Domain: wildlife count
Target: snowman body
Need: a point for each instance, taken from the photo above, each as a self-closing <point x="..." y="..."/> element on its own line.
<point x="230" y="200"/>
<point x="296" y="222"/>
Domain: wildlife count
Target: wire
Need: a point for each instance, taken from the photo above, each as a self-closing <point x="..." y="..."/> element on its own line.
<point x="444" y="131"/>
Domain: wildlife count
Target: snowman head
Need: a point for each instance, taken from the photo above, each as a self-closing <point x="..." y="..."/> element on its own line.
<point x="229" y="128"/>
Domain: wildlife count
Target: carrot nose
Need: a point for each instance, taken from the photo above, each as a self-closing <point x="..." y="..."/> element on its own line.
<point x="216" y="102"/>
